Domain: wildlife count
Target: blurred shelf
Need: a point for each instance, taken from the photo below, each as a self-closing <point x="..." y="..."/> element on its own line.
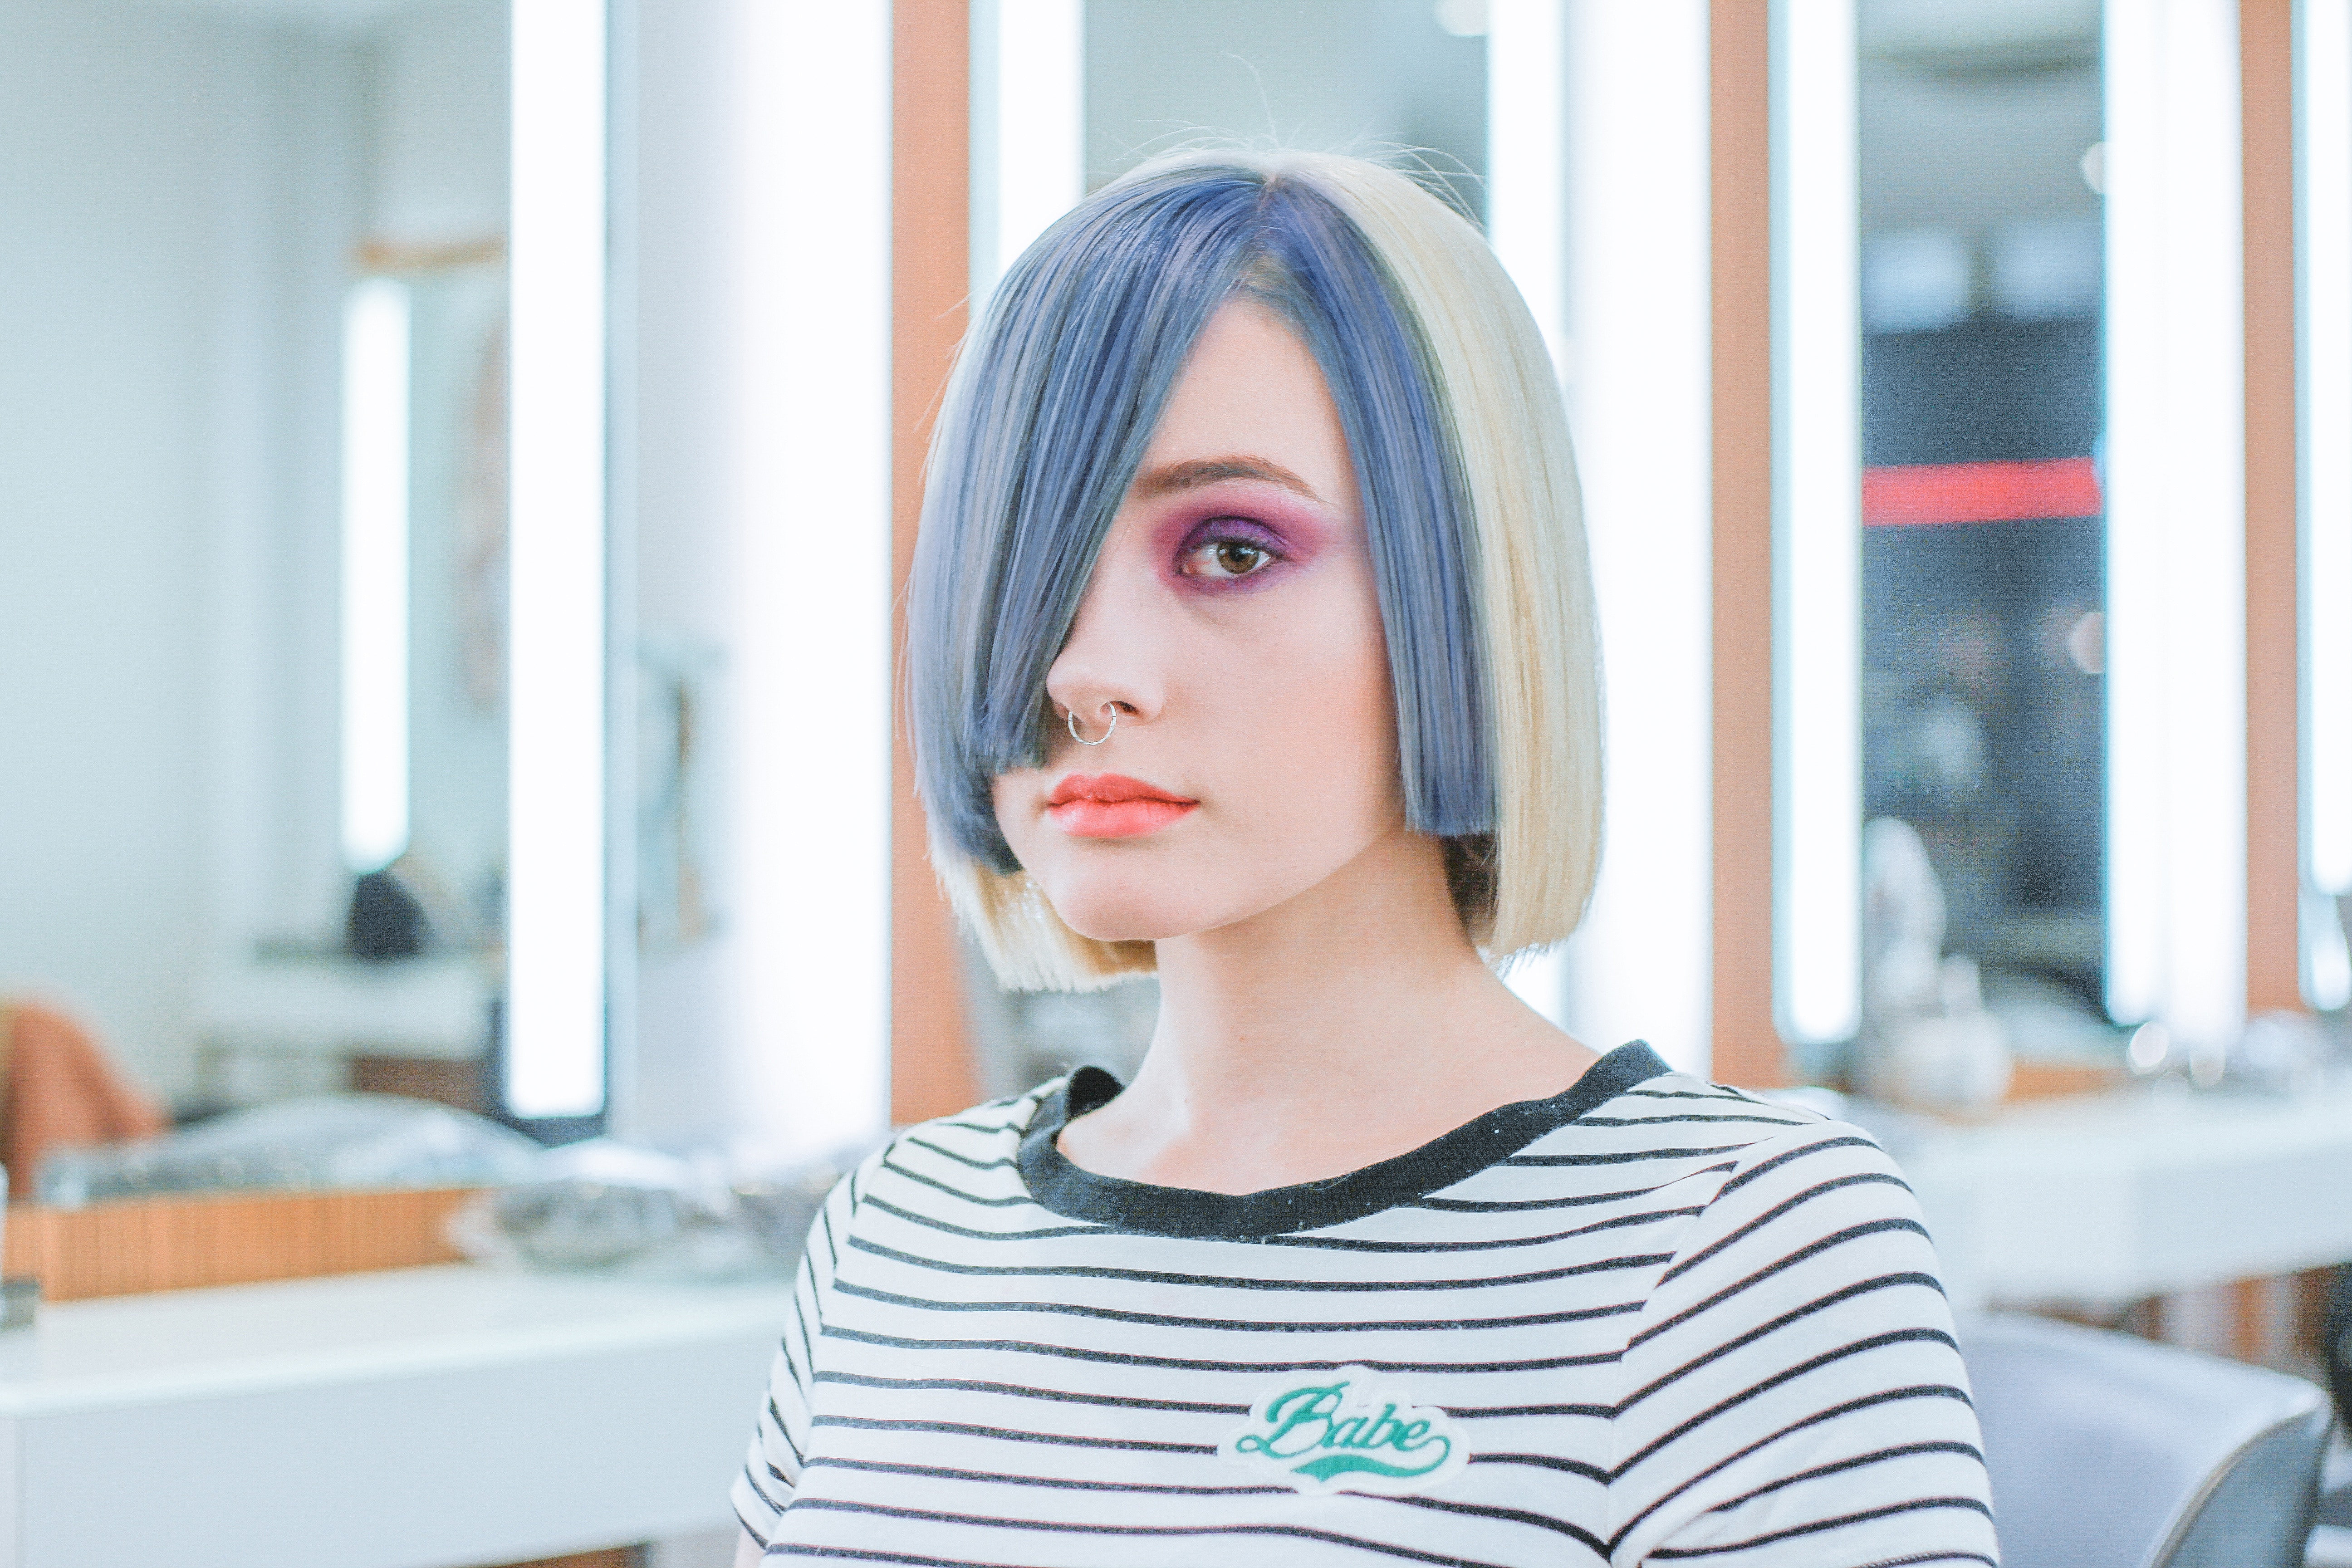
<point x="2113" y="1197"/>
<point x="434" y="1006"/>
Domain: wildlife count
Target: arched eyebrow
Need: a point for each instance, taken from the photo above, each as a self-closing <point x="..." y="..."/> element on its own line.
<point x="1195" y="472"/>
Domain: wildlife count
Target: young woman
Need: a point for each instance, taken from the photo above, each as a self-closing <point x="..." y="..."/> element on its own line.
<point x="1253" y="645"/>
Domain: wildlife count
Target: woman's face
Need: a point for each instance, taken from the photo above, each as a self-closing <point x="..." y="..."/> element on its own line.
<point x="1233" y="628"/>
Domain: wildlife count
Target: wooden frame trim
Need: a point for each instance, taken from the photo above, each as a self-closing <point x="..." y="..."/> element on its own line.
<point x="931" y="1068"/>
<point x="1747" y="1042"/>
<point x="2274" y="659"/>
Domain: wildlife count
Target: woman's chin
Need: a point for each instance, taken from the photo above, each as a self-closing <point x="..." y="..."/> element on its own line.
<point x="1125" y="913"/>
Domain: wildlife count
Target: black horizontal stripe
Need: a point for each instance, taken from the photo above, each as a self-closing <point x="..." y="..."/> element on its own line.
<point x="871" y="1554"/>
<point x="1000" y="1129"/>
<point x="1001" y="1162"/>
<point x="1296" y="1532"/>
<point x="1850" y="1407"/>
<point x="1815" y="1527"/>
<point x="1216" y="1282"/>
<point x="1615" y="1157"/>
<point x="1719" y="1092"/>
<point x="1025" y="1391"/>
<point x="1226" y="1325"/>
<point x="1010" y="1434"/>
<point x="1810" y="1250"/>
<point x="1522" y="1205"/>
<point x="1777" y="1211"/>
<point x="1601" y="1411"/>
<point x="1514" y="1515"/>
<point x="1366" y="1244"/>
<point x="1047" y="1233"/>
<point x="1795" y="1314"/>
<point x="1058" y="1483"/>
<point x="1546" y="1462"/>
<point x="1188" y="1363"/>
<point x="1875" y="1342"/>
<point x="954" y="1191"/>
<point x="1803" y="1152"/>
<point x="1879" y="1457"/>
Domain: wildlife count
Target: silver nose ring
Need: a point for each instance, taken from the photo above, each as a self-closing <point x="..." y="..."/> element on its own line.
<point x="1109" y="708"/>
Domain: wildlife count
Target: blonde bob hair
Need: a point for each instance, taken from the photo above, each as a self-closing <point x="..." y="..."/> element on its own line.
<point x="1460" y="444"/>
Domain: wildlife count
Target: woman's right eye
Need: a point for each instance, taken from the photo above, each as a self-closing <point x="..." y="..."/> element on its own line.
<point x="1226" y="559"/>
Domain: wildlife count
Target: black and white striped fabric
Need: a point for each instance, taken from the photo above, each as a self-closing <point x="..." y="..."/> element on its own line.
<point x="1649" y="1321"/>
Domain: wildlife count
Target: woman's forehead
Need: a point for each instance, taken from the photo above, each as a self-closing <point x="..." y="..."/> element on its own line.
<point x="1250" y="391"/>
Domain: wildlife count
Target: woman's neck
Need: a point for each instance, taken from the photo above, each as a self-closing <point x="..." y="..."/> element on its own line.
<point x="1347" y="1026"/>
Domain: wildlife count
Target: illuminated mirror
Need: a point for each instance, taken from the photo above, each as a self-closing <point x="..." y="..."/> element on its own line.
<point x="1982" y="592"/>
<point x="2050" y="543"/>
<point x="321" y="707"/>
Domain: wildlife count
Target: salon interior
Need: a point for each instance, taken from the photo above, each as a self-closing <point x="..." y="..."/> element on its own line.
<point x="462" y="900"/>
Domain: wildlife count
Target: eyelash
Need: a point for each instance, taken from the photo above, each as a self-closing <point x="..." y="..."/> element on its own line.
<point x="1225" y="531"/>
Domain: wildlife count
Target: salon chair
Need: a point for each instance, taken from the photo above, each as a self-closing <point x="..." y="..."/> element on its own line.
<point x="2108" y="1451"/>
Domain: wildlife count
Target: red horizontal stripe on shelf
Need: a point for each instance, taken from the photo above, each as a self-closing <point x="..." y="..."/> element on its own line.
<point x="1980" y="493"/>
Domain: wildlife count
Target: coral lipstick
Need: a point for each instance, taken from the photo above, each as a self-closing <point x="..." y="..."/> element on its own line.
<point x="1112" y="805"/>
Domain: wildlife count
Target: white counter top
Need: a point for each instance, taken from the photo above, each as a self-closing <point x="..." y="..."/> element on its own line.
<point x="413" y="1418"/>
<point x="2117" y="1196"/>
<point x="188" y="1344"/>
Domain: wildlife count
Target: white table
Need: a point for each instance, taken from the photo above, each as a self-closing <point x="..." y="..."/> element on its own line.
<point x="413" y="1418"/>
<point x="2117" y="1196"/>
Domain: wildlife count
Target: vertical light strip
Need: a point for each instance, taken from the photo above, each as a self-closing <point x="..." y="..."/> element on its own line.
<point x="1638" y="318"/>
<point x="811" y="492"/>
<point x="2175" y="480"/>
<point x="1526" y="157"/>
<point x="1817" y="524"/>
<point x="1527" y="215"/>
<point x="375" y="572"/>
<point x="556" y="766"/>
<point x="2323" y="129"/>
<point x="2323" y="281"/>
<point x="1028" y="143"/>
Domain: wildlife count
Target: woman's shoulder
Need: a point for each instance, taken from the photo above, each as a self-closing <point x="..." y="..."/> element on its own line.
<point x="1671" y="1111"/>
<point x="1734" y="1152"/>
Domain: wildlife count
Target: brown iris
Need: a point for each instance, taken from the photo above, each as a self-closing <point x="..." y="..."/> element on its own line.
<point x="1239" y="558"/>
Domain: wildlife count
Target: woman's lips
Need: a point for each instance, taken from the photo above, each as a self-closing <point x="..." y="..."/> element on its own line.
<point x="1112" y="805"/>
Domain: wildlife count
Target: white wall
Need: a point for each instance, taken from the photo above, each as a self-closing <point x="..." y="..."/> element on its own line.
<point x="438" y="171"/>
<point x="682" y="1075"/>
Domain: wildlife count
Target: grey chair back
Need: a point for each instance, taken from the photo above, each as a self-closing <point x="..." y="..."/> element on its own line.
<point x="2108" y="1451"/>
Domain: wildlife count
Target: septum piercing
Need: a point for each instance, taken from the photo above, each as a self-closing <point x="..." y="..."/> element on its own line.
<point x="1109" y="708"/>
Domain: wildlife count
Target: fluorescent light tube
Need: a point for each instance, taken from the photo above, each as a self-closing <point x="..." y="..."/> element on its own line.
<point x="375" y="572"/>
<point x="1028" y="143"/>
<point x="1817" y="520"/>
<point x="554" y="1042"/>
<point x="810" y="662"/>
<point x="2174" y="480"/>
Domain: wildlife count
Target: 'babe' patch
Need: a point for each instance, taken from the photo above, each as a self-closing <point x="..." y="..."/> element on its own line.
<point x="1343" y="1431"/>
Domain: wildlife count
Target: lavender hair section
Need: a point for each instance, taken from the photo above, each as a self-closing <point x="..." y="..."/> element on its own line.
<point x="1064" y="384"/>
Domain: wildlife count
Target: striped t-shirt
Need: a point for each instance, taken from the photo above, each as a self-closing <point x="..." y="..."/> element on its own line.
<point x="1646" y="1321"/>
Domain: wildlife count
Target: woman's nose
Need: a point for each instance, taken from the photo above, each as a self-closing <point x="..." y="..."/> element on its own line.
<point x="1107" y="672"/>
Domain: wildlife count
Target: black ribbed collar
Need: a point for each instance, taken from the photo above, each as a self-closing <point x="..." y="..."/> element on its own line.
<point x="1075" y="1193"/>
